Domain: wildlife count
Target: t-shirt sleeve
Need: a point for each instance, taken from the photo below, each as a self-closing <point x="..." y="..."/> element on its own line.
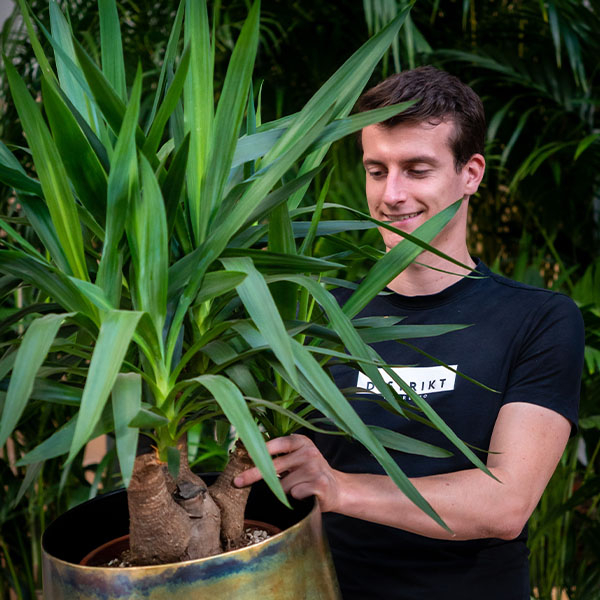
<point x="547" y="369"/>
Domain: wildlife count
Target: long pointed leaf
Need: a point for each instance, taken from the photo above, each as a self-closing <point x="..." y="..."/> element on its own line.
<point x="81" y="162"/>
<point x="52" y="174"/>
<point x="147" y="236"/>
<point x="168" y="61"/>
<point x="230" y="110"/>
<point x="126" y="403"/>
<point x="396" y="260"/>
<point x="112" y="46"/>
<point x="168" y="105"/>
<point x="199" y="107"/>
<point x="115" y="335"/>
<point x="122" y="186"/>
<point x="342" y="89"/>
<point x="52" y="281"/>
<point x="62" y="34"/>
<point x="317" y="388"/>
<point x="237" y="412"/>
<point x="257" y="299"/>
<point x="33" y="350"/>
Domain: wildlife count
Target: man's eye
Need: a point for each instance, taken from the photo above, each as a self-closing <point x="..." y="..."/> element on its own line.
<point x="418" y="172"/>
<point x="376" y="174"/>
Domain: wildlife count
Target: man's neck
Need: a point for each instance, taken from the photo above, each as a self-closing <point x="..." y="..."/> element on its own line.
<point x="431" y="274"/>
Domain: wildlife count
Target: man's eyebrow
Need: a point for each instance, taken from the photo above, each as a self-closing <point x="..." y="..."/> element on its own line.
<point x="422" y="158"/>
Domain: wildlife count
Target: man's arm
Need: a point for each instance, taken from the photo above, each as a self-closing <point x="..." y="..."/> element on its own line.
<point x="527" y="443"/>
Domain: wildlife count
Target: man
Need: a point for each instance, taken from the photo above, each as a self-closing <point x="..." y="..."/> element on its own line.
<point x="524" y="344"/>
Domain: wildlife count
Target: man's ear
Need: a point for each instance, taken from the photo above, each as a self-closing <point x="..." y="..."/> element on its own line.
<point x="473" y="172"/>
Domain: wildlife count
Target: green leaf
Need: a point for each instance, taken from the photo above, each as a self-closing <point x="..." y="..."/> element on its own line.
<point x="52" y="281"/>
<point x="405" y="332"/>
<point x="198" y="106"/>
<point x="206" y="253"/>
<point x="39" y="218"/>
<point x="307" y="244"/>
<point x="273" y="262"/>
<point x="218" y="283"/>
<point x="126" y="403"/>
<point x="432" y="415"/>
<point x="342" y="89"/>
<point x="122" y="186"/>
<point x="60" y="441"/>
<point x="592" y="422"/>
<point x="147" y="236"/>
<point x="277" y="197"/>
<point x="148" y="418"/>
<point x="168" y="61"/>
<point x="236" y="410"/>
<point x="397" y="259"/>
<point x="35" y="43"/>
<point x="52" y="174"/>
<point x="174" y="183"/>
<point x="281" y="240"/>
<point x="13" y="174"/>
<point x="251" y="147"/>
<point x="65" y="59"/>
<point x="54" y="391"/>
<point x="338" y="129"/>
<point x="173" y="461"/>
<point x="259" y="303"/>
<point x="318" y="389"/>
<point x="17" y="237"/>
<point x="116" y="332"/>
<point x="33" y="470"/>
<point x="168" y="105"/>
<point x="585" y="143"/>
<point x="33" y="350"/>
<point x="403" y="443"/>
<point x="81" y="162"/>
<point x="108" y="101"/>
<point x="343" y="326"/>
<point x="112" y="46"/>
<point x="230" y="111"/>
<point x="93" y="293"/>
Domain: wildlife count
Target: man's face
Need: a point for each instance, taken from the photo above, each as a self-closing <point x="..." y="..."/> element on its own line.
<point x="410" y="177"/>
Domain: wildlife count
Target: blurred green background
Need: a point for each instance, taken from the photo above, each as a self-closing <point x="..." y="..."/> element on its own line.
<point x="536" y="217"/>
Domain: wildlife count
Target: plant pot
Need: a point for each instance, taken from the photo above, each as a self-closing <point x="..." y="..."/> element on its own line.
<point x="294" y="564"/>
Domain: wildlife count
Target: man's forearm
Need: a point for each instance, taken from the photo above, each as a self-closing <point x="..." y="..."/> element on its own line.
<point x="471" y="503"/>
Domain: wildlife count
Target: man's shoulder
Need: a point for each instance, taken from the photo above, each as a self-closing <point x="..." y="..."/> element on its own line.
<point x="526" y="295"/>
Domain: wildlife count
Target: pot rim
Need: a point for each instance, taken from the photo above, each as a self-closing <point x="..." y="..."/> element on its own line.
<point x="229" y="553"/>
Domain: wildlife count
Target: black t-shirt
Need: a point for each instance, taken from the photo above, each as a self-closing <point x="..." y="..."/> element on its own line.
<point x="524" y="343"/>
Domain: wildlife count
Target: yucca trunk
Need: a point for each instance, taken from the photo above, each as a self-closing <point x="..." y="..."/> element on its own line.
<point x="172" y="520"/>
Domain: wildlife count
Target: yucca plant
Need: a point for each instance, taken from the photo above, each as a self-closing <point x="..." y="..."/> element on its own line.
<point x="168" y="289"/>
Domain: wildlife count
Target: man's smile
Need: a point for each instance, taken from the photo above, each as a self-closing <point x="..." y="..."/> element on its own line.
<point x="399" y="218"/>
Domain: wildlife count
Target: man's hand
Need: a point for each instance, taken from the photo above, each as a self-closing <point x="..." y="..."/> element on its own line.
<point x="303" y="471"/>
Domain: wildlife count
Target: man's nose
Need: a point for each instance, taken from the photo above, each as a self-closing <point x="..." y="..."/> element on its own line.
<point x="395" y="190"/>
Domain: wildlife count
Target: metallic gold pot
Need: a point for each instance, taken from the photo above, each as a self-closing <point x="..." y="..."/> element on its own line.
<point x="292" y="565"/>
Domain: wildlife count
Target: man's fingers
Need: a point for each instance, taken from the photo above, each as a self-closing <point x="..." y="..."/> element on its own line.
<point x="282" y="445"/>
<point x="248" y="477"/>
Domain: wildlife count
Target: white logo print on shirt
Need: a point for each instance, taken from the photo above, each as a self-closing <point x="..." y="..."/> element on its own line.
<point x="423" y="380"/>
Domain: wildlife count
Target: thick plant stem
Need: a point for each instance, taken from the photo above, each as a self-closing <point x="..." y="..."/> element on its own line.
<point x="231" y="500"/>
<point x="170" y="520"/>
<point x="159" y="527"/>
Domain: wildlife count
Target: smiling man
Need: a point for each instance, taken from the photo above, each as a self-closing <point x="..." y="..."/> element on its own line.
<point x="524" y="344"/>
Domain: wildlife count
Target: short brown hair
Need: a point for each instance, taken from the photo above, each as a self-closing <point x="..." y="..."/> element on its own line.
<point x="441" y="97"/>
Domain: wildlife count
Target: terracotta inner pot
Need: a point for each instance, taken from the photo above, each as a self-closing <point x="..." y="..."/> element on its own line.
<point x="103" y="554"/>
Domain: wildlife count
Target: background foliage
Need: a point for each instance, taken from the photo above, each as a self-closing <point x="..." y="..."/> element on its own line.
<point x="535" y="219"/>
